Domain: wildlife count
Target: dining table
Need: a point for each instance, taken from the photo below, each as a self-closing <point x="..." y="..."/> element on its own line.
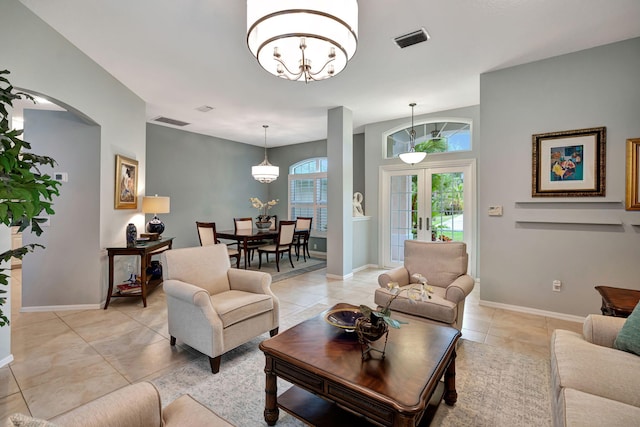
<point x="244" y="236"/>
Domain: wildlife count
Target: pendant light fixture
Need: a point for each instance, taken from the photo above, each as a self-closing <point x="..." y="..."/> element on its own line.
<point x="302" y="40"/>
<point x="265" y="172"/>
<point x="412" y="156"/>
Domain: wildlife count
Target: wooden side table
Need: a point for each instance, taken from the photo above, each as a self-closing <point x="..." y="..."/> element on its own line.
<point x="145" y="251"/>
<point x="618" y="302"/>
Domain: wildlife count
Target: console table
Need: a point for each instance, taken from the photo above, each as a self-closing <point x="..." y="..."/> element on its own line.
<point x="145" y="251"/>
<point x="618" y="302"/>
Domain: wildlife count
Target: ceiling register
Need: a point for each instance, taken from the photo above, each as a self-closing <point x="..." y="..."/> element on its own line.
<point x="302" y="40"/>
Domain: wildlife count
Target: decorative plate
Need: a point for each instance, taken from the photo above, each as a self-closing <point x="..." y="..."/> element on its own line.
<point x="343" y="318"/>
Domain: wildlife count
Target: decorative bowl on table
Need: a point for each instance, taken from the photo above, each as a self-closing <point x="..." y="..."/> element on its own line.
<point x="263" y="225"/>
<point x="343" y="316"/>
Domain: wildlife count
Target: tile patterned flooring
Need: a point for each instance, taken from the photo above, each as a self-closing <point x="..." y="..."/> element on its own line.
<point x="65" y="359"/>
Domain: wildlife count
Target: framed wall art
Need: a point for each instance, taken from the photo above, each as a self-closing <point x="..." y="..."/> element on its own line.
<point x="126" y="191"/>
<point x="569" y="163"/>
<point x="633" y="175"/>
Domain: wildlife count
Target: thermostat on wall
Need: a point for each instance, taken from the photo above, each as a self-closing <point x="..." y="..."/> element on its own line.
<point x="495" y="210"/>
<point x="61" y="176"/>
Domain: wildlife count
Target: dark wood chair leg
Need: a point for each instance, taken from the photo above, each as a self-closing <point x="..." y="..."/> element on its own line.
<point x="172" y="341"/>
<point x="260" y="260"/>
<point x="273" y="332"/>
<point x="277" y="261"/>
<point x="215" y="364"/>
<point x="290" y="259"/>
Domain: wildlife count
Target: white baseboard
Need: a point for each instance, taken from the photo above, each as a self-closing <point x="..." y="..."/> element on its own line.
<point x="321" y="255"/>
<point x="364" y="267"/>
<point x="335" y="276"/>
<point x="61" y="308"/>
<point x="529" y="310"/>
<point x="6" y="360"/>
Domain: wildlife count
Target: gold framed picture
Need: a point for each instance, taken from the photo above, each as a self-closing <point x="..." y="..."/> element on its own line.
<point x="633" y="175"/>
<point x="569" y="163"/>
<point x="126" y="191"/>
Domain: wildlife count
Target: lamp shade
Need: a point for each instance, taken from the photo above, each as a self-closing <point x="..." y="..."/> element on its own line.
<point x="412" y="157"/>
<point x="265" y="173"/>
<point x="156" y="204"/>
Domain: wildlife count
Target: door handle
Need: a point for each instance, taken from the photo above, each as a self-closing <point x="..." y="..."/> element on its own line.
<point x="427" y="227"/>
<point x="420" y="223"/>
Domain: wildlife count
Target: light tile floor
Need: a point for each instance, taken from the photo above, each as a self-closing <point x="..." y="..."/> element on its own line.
<point x="65" y="359"/>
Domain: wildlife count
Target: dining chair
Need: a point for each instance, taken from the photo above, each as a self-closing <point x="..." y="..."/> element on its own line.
<point x="283" y="243"/>
<point x="246" y="223"/>
<point x="274" y="222"/>
<point x="207" y="236"/>
<point x="303" y="232"/>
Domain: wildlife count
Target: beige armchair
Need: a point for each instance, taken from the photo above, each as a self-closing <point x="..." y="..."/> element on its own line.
<point x="444" y="265"/>
<point x="213" y="307"/>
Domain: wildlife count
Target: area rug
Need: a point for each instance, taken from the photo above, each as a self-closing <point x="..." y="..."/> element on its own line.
<point x="286" y="272"/>
<point x="496" y="387"/>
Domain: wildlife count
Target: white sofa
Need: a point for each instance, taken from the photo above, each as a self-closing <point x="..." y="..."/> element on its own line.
<point x="592" y="383"/>
<point x="135" y="405"/>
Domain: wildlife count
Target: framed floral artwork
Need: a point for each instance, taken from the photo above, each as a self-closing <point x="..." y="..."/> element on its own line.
<point x="633" y="175"/>
<point x="126" y="191"/>
<point x="569" y="163"/>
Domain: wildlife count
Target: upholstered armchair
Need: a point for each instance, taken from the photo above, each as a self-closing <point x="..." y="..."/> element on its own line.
<point x="213" y="307"/>
<point x="444" y="265"/>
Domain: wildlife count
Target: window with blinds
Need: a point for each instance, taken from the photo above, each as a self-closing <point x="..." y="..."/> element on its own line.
<point x="308" y="192"/>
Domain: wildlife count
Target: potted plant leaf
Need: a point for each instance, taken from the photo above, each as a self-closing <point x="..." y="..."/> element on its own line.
<point x="25" y="192"/>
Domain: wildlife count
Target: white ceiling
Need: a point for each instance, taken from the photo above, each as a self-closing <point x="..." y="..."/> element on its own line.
<point x="180" y="55"/>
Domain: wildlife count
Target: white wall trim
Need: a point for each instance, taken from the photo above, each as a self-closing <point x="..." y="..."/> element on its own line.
<point x="335" y="276"/>
<point x="364" y="267"/>
<point x="6" y="360"/>
<point x="529" y="310"/>
<point x="61" y="308"/>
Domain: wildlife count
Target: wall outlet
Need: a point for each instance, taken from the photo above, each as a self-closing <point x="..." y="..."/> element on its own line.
<point x="557" y="285"/>
<point x="315" y="246"/>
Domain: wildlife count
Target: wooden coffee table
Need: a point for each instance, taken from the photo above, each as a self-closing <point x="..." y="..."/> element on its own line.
<point x="334" y="386"/>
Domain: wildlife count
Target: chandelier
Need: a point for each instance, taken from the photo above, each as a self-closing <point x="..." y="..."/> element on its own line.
<point x="302" y="40"/>
<point x="265" y="172"/>
<point x="412" y="156"/>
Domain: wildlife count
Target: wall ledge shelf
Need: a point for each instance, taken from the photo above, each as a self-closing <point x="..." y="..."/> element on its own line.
<point x="586" y="221"/>
<point x="568" y="201"/>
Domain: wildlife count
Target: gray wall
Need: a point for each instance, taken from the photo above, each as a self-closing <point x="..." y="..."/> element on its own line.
<point x="596" y="87"/>
<point x="219" y="175"/>
<point x="207" y="179"/>
<point x="57" y="275"/>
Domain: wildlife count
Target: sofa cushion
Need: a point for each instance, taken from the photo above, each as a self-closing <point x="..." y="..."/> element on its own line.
<point x="593" y="369"/>
<point x="186" y="411"/>
<point x="581" y="409"/>
<point x="628" y="338"/>
<point x="236" y="306"/>
<point x="437" y="308"/>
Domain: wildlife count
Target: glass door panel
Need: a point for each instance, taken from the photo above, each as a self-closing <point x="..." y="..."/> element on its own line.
<point x="423" y="204"/>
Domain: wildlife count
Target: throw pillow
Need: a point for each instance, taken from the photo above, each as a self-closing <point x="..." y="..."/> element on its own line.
<point x="22" y="420"/>
<point x="628" y="338"/>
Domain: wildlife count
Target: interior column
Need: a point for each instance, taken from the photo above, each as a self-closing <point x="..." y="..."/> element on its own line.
<point x="340" y="193"/>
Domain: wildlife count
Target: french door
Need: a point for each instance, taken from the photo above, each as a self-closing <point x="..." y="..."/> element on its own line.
<point x="433" y="203"/>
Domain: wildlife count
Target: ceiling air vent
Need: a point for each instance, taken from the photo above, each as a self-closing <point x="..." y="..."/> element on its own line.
<point x="169" y="121"/>
<point x="412" y="38"/>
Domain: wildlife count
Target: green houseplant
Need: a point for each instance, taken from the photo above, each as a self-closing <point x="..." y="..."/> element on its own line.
<point x="24" y="191"/>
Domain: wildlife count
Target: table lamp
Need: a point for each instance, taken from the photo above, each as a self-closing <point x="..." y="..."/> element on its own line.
<point x="155" y="205"/>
